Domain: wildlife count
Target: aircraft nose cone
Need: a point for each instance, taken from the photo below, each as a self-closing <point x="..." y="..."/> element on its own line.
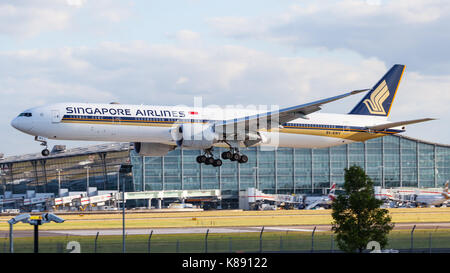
<point x="15" y="123"/>
<point x="22" y="124"/>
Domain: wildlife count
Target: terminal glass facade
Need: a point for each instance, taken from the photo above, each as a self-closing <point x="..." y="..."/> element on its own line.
<point x="390" y="161"/>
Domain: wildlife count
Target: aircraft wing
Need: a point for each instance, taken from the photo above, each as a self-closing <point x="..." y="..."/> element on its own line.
<point x="398" y="123"/>
<point x="275" y="118"/>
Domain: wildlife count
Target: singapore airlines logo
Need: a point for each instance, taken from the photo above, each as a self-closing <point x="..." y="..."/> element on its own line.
<point x="377" y="98"/>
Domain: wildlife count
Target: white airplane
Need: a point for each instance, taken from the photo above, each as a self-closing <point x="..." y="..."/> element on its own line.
<point x="432" y="199"/>
<point x="324" y="201"/>
<point x="156" y="130"/>
<point x="421" y="197"/>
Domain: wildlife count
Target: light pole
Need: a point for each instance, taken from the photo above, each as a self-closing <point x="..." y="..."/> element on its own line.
<point x="124" y="169"/>
<point x="87" y="179"/>
<point x="118" y="187"/>
<point x="24" y="218"/>
<point x="36" y="221"/>
<point x="123" y="215"/>
<point x="382" y="176"/>
<point x="256" y="176"/>
<point x="4" y="187"/>
<point x="59" y="181"/>
<point x="87" y="167"/>
<point x="118" y="182"/>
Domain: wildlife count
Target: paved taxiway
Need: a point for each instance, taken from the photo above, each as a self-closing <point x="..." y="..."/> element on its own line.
<point x="189" y="230"/>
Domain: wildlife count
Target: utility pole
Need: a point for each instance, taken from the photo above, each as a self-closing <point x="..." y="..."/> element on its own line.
<point x="123" y="215"/>
<point x="36" y="235"/>
<point x="59" y="180"/>
<point x="126" y="170"/>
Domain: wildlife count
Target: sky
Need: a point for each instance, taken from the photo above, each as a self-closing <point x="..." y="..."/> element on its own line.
<point x="252" y="52"/>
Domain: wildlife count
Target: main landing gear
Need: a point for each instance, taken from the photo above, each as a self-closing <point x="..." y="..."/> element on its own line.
<point x="234" y="155"/>
<point x="208" y="159"/>
<point x="43" y="142"/>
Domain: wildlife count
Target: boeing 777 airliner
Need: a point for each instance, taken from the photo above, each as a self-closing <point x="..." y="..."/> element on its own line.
<point x="156" y="130"/>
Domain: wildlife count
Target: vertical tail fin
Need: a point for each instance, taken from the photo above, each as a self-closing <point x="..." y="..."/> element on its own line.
<point x="378" y="101"/>
<point x="445" y="191"/>
<point x="332" y="194"/>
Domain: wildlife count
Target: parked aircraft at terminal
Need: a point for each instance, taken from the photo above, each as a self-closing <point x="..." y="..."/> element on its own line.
<point x="323" y="201"/>
<point x="156" y="130"/>
<point x="434" y="199"/>
<point x="428" y="198"/>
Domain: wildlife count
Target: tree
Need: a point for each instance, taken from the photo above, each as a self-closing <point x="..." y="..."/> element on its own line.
<point x="357" y="216"/>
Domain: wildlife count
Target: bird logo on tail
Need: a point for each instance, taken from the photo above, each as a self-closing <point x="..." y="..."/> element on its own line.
<point x="377" y="98"/>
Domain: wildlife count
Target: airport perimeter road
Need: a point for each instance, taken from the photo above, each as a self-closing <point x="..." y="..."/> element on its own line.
<point x="202" y="230"/>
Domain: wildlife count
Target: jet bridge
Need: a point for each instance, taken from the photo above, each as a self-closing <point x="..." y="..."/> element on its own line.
<point x="171" y="194"/>
<point x="253" y="198"/>
<point x="66" y="200"/>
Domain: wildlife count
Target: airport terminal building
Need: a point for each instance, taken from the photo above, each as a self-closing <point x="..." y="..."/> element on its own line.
<point x="390" y="161"/>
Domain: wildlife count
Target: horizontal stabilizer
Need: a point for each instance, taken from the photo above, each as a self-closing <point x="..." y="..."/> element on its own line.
<point x="398" y="123"/>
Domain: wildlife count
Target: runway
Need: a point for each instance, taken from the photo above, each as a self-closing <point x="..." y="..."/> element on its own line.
<point x="203" y="230"/>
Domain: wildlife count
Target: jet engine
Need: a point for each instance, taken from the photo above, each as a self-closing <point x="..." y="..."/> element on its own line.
<point x="152" y="149"/>
<point x="194" y="135"/>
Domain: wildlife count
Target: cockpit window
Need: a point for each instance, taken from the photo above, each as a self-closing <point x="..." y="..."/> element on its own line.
<point x="25" y="115"/>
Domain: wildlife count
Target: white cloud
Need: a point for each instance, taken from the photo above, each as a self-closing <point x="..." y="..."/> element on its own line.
<point x="76" y="3"/>
<point x="19" y="19"/>
<point x="398" y="31"/>
<point x="188" y="35"/>
<point x="166" y="74"/>
<point x="24" y="19"/>
<point x="182" y="80"/>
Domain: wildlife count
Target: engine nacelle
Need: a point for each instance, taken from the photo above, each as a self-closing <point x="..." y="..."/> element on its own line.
<point x="194" y="135"/>
<point x="152" y="149"/>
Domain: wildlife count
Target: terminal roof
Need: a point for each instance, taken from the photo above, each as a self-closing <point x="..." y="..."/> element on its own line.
<point x="106" y="147"/>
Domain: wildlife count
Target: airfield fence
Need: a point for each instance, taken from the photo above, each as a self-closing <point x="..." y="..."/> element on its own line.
<point x="423" y="241"/>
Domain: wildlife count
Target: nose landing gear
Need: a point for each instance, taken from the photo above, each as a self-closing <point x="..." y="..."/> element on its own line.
<point x="43" y="141"/>
<point x="45" y="152"/>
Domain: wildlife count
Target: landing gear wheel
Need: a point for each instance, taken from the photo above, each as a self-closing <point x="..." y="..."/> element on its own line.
<point x="43" y="142"/>
<point x="235" y="157"/>
<point x="201" y="159"/>
<point x="45" y="152"/>
<point x="217" y="163"/>
<point x="226" y="155"/>
<point x="209" y="161"/>
<point x="243" y="159"/>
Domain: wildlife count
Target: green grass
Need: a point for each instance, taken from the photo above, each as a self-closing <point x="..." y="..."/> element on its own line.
<point x="223" y="219"/>
<point x="231" y="242"/>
